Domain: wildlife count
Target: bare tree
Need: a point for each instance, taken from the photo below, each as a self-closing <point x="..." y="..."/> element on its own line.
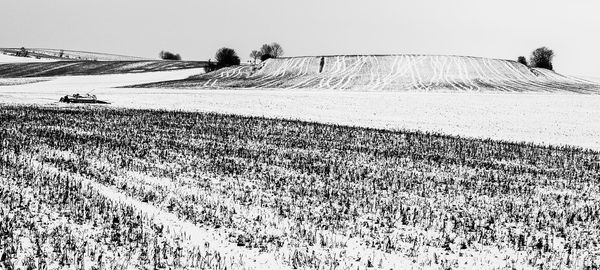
<point x="272" y="50"/>
<point x="277" y="50"/>
<point x="266" y="49"/>
<point x="522" y="60"/>
<point x="542" y="58"/>
<point x="255" y="55"/>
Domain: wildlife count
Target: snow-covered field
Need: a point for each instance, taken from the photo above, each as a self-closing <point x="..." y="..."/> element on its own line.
<point x="70" y="55"/>
<point x="92" y="68"/>
<point x="14" y="59"/>
<point x="144" y="187"/>
<point x="571" y="119"/>
<point x="233" y="181"/>
<point x="542" y="115"/>
<point x="394" y="73"/>
<point x="82" y="83"/>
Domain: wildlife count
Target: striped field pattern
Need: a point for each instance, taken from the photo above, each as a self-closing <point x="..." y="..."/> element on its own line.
<point x="73" y="68"/>
<point x="388" y="73"/>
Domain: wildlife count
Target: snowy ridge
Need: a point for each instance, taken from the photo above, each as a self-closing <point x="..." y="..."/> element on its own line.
<point x="80" y="68"/>
<point x="58" y="54"/>
<point x="389" y="73"/>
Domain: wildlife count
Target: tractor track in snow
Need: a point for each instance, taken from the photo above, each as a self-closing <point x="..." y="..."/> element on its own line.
<point x="387" y="73"/>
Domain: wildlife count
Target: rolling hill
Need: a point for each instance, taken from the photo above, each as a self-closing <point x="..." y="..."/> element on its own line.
<point x="9" y="58"/>
<point x="69" y="68"/>
<point x="69" y="55"/>
<point x="54" y="62"/>
<point x="388" y="73"/>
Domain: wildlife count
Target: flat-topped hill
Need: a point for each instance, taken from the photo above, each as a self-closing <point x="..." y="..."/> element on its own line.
<point x="388" y="73"/>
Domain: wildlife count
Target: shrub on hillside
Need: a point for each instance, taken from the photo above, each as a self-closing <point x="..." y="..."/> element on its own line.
<point x="264" y="57"/>
<point x="22" y="52"/>
<point x="522" y="60"/>
<point x="542" y="58"/>
<point x="210" y="67"/>
<point x="227" y="57"/>
<point x="272" y="50"/>
<point x="165" y="55"/>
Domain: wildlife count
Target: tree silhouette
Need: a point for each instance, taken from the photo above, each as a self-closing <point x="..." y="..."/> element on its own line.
<point x="522" y="60"/>
<point x="277" y="50"/>
<point x="542" y="58"/>
<point x="264" y="57"/>
<point x="227" y="57"/>
<point x="165" y="55"/>
<point x="272" y="50"/>
<point x="266" y="49"/>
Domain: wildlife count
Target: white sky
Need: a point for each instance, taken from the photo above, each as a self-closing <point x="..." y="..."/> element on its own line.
<point x="197" y="28"/>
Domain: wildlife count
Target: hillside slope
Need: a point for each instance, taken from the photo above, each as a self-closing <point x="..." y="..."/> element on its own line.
<point x="8" y="58"/>
<point x="388" y="73"/>
<point x="66" y="68"/>
<point x="69" y="55"/>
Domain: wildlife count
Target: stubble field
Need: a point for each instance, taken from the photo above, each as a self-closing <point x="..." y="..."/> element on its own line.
<point x="113" y="188"/>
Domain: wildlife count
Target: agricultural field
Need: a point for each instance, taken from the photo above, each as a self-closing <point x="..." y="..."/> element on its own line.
<point x="429" y="73"/>
<point x="362" y="135"/>
<point x="383" y="162"/>
<point x="69" y="55"/>
<point x="548" y="119"/>
<point x="8" y="58"/>
<point x="548" y="116"/>
<point x="103" y="188"/>
<point x="91" y="68"/>
<point x="20" y="81"/>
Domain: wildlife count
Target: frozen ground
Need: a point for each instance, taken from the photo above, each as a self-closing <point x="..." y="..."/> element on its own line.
<point x="536" y="117"/>
<point x="571" y="119"/>
<point x="92" y="68"/>
<point x="592" y="79"/>
<point x="60" y="54"/>
<point x="14" y="59"/>
<point x="540" y="118"/>
<point x="388" y="73"/>
<point x="68" y="84"/>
